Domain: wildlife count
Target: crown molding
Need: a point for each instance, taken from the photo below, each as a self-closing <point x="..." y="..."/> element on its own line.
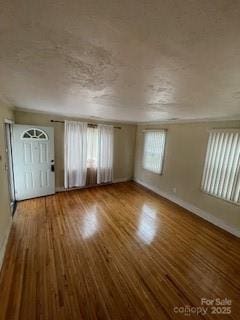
<point x="75" y="117"/>
<point x="176" y="121"/>
<point x="138" y="123"/>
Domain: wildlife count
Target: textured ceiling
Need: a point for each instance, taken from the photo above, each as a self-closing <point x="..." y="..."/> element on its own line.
<point x="130" y="60"/>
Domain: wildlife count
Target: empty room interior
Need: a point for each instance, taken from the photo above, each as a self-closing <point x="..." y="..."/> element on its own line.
<point x="119" y="160"/>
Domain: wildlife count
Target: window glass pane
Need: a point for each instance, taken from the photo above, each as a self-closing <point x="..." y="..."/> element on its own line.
<point x="26" y="135"/>
<point x="38" y="132"/>
<point x="31" y="132"/>
<point x="153" y="154"/>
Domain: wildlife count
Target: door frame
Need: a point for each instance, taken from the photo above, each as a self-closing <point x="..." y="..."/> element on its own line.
<point x="9" y="163"/>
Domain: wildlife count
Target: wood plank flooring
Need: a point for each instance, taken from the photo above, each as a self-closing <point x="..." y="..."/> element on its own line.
<point x="115" y="252"/>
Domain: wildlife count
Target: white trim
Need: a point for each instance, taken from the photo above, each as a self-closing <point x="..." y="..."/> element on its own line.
<point x="219" y="198"/>
<point x="150" y="122"/>
<point x="199" y="212"/>
<point x="224" y="129"/>
<point x="193" y="120"/>
<point x="118" y="180"/>
<point x="4" y="244"/>
<point x="61" y="189"/>
<point x="74" y="117"/>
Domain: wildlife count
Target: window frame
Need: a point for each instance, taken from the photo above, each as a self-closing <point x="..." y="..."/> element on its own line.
<point x="164" y="150"/>
<point x="229" y="130"/>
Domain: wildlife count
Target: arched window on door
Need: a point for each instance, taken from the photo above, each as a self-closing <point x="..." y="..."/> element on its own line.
<point x="34" y="134"/>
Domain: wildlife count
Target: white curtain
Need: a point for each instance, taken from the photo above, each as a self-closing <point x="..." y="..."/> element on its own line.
<point x="75" y="154"/>
<point x="92" y="147"/>
<point x="92" y="155"/>
<point x="105" y="153"/>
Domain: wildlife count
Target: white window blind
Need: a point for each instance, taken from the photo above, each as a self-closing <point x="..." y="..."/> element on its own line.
<point x="153" y="154"/>
<point x="221" y="176"/>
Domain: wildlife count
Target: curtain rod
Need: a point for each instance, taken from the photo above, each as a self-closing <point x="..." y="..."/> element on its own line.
<point x="89" y="124"/>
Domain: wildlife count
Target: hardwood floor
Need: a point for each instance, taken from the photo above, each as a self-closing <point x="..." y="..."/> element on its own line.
<point x="115" y="252"/>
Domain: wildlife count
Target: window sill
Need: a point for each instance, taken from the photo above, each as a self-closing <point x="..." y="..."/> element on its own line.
<point x="154" y="172"/>
<point x="216" y="197"/>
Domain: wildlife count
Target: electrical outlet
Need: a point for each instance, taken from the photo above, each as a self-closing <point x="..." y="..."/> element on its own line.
<point x="174" y="190"/>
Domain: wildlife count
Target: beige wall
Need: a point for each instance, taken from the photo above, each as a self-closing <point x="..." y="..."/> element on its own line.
<point x="183" y="166"/>
<point x="5" y="214"/>
<point x="124" y="144"/>
<point x="184" y="160"/>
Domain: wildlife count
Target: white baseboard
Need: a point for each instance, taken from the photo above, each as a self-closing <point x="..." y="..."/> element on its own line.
<point x="121" y="180"/>
<point x="4" y="244"/>
<point x="201" y="213"/>
<point x="61" y="189"/>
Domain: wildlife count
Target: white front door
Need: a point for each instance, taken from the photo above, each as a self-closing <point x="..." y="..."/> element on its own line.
<point x="33" y="161"/>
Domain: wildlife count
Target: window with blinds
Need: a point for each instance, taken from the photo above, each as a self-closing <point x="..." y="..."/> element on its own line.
<point x="153" y="154"/>
<point x="221" y="176"/>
